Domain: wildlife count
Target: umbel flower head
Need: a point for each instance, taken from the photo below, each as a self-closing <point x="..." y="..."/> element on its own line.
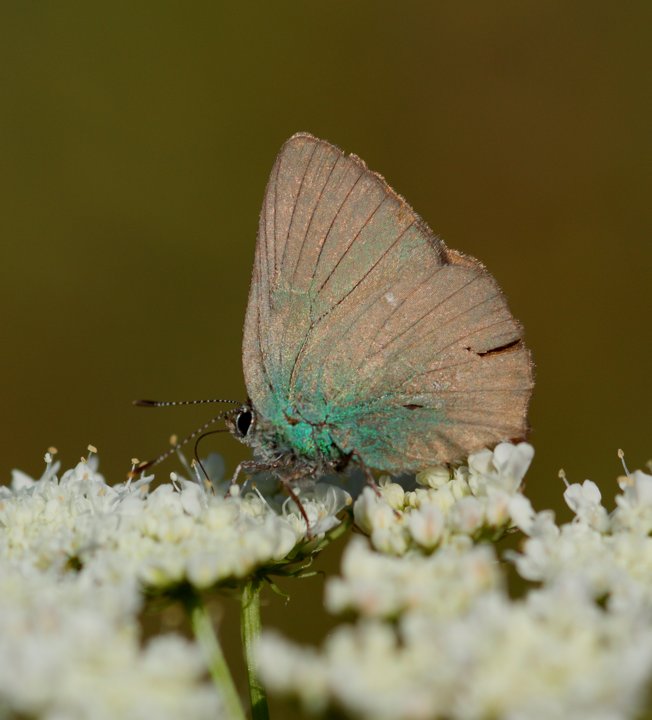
<point x="77" y="556"/>
<point x="72" y="649"/>
<point x="476" y="501"/>
<point x="176" y="533"/>
<point x="436" y="632"/>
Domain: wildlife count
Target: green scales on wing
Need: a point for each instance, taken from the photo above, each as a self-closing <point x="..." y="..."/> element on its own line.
<point x="364" y="333"/>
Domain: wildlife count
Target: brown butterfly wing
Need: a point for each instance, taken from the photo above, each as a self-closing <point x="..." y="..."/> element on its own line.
<point x="361" y="319"/>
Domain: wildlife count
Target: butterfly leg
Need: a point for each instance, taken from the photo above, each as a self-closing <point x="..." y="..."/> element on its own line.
<point x="248" y="466"/>
<point x="355" y="456"/>
<point x="253" y="466"/>
<point x="295" y="498"/>
<point x="371" y="480"/>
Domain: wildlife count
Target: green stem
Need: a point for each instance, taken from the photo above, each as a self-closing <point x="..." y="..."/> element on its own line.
<point x="250" y="628"/>
<point x="202" y="626"/>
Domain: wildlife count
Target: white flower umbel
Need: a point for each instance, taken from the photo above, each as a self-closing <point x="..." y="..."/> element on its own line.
<point x="473" y="500"/>
<point x="437" y="635"/>
<point x="555" y="654"/>
<point x="611" y="553"/>
<point x="444" y="584"/>
<point x="76" y="555"/>
<point x="71" y="649"/>
<point x="175" y="533"/>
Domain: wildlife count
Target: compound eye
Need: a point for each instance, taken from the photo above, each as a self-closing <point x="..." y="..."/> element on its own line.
<point x="243" y="422"/>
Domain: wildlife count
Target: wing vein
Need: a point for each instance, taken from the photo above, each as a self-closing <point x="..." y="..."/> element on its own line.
<point x="330" y="227"/>
<point x="427" y="313"/>
<point x="352" y="243"/>
<point x="450" y="320"/>
<point x="366" y="275"/>
<point x="296" y="203"/>
<point x="414" y="290"/>
<point x="342" y="299"/>
<point x="312" y="217"/>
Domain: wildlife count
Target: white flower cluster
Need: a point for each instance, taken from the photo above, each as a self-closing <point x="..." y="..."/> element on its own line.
<point x="177" y="532"/>
<point x="71" y="649"/>
<point x="438" y="635"/>
<point x="553" y="655"/>
<point x="474" y="500"/>
<point x="609" y="553"/>
<point x="75" y="556"/>
<point x="442" y="584"/>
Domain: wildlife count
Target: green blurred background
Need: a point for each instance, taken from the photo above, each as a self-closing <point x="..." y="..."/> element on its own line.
<point x="135" y="143"/>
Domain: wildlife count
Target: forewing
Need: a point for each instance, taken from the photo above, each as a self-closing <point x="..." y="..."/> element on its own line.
<point x="360" y="318"/>
<point x="310" y="180"/>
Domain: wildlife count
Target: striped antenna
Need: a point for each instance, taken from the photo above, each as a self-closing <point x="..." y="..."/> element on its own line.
<point x="163" y="456"/>
<point x="171" y="403"/>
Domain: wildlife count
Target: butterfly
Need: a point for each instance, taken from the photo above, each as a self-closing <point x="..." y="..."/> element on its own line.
<point x="368" y="341"/>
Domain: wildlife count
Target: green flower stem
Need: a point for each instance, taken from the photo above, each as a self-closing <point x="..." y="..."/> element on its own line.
<point x="202" y="626"/>
<point x="250" y="628"/>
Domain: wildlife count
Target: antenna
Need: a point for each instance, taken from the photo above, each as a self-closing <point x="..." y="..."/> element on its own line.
<point x="163" y="456"/>
<point x="171" y="403"/>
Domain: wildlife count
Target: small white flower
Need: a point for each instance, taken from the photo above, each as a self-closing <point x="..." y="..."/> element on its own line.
<point x="390" y="538"/>
<point x="585" y="501"/>
<point x="497" y="508"/>
<point x="634" y="506"/>
<point x="468" y="516"/>
<point x="392" y="493"/>
<point x="370" y="511"/>
<point x="193" y="498"/>
<point x="20" y="480"/>
<point x="513" y="461"/>
<point x="321" y="503"/>
<point x="434" y="477"/>
<point x="481" y="463"/>
<point x="444" y="498"/>
<point x="522" y="513"/>
<point x="426" y="525"/>
<point x="503" y="468"/>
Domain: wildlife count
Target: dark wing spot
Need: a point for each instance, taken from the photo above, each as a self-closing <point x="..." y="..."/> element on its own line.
<point x="412" y="406"/>
<point x="497" y="350"/>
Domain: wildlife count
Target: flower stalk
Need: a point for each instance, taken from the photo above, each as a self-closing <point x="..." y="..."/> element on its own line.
<point x="204" y="632"/>
<point x="250" y="629"/>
